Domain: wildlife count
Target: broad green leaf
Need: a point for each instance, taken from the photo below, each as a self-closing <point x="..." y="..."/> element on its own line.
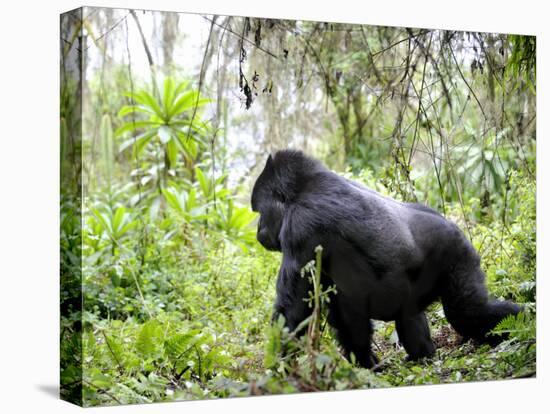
<point x="131" y="126"/>
<point x="129" y="109"/>
<point x="172" y="200"/>
<point x="191" y="199"/>
<point x="143" y="97"/>
<point x="103" y="220"/>
<point x="182" y="103"/>
<point x="187" y="102"/>
<point x="168" y="96"/>
<point x="100" y="380"/>
<point x="172" y="152"/>
<point x="198" y="128"/>
<point x="180" y="88"/>
<point x="192" y="149"/>
<point x="125" y="228"/>
<point x="203" y="182"/>
<point x="140" y="141"/>
<point x="118" y="217"/>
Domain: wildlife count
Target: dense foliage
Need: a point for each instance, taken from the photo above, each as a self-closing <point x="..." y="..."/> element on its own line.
<point x="176" y="292"/>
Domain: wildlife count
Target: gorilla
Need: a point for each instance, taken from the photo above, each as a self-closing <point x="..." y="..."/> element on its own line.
<point x="388" y="259"/>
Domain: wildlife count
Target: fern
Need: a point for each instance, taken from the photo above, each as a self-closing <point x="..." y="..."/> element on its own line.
<point x="149" y="339"/>
<point x="273" y="347"/>
<point x="116" y="351"/>
<point x="180" y="344"/>
<point x="520" y="327"/>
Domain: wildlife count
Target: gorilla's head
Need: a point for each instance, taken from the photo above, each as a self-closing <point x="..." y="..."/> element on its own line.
<point x="283" y="178"/>
<point x="268" y="200"/>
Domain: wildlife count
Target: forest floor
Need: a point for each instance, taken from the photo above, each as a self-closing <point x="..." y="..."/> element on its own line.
<point x="206" y="334"/>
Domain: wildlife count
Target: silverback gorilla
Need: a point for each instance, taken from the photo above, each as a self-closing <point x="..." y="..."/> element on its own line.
<point x="388" y="259"/>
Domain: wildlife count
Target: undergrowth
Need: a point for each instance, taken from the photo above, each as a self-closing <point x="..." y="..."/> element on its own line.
<point x="187" y="316"/>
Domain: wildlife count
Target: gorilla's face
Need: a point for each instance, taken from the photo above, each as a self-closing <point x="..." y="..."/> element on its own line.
<point x="267" y="202"/>
<point x="269" y="227"/>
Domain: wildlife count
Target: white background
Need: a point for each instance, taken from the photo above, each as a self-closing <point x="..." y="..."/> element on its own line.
<point x="29" y="205"/>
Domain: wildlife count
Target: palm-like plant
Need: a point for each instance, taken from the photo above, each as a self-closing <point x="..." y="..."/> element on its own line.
<point x="114" y="224"/>
<point x="172" y="119"/>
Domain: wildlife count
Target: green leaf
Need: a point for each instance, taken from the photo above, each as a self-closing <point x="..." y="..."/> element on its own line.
<point x="115" y="278"/>
<point x="100" y="380"/>
<point x="203" y="182"/>
<point x="168" y="96"/>
<point x="149" y="339"/>
<point x="182" y="103"/>
<point x="191" y="199"/>
<point x="172" y="200"/>
<point x="129" y="109"/>
<point x="125" y="228"/>
<point x="103" y="220"/>
<point x="140" y="141"/>
<point x="181" y="88"/>
<point x="198" y="128"/>
<point x="241" y="218"/>
<point x="187" y="102"/>
<point x="117" y="218"/>
<point x="179" y="344"/>
<point x="132" y="126"/>
<point x="143" y="97"/>
<point x="172" y="152"/>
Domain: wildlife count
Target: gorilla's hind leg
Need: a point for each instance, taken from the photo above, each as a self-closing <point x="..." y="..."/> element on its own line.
<point x="354" y="331"/>
<point x="414" y="335"/>
<point x="468" y="308"/>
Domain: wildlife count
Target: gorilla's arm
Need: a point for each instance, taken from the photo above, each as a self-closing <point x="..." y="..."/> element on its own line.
<point x="292" y="289"/>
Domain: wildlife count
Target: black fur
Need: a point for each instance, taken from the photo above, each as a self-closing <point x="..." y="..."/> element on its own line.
<point x="389" y="260"/>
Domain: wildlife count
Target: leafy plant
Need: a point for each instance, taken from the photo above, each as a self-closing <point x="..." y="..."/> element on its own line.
<point x="172" y="119"/>
<point x="520" y="327"/>
<point x="236" y="221"/>
<point x="114" y="224"/>
<point x="185" y="203"/>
